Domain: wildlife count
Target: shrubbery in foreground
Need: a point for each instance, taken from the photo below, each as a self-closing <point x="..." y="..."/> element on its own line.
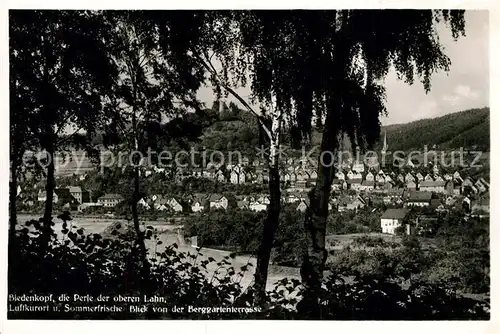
<point x="92" y="265"/>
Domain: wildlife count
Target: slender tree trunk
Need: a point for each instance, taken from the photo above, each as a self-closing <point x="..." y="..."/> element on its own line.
<point x="13" y="202"/>
<point x="48" y="141"/>
<point x="135" y="199"/>
<point x="316" y="215"/>
<point x="315" y="227"/>
<point x="12" y="241"/>
<point x="271" y="223"/>
<point x="50" y="186"/>
<point x="139" y="233"/>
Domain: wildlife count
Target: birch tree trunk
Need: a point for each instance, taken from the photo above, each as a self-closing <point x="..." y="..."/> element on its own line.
<point x="272" y="220"/>
<point x="316" y="215"/>
<point x="315" y="219"/>
<point x="135" y="215"/>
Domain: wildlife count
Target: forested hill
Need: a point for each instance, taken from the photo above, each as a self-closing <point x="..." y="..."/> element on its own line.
<point x="235" y="129"/>
<point x="468" y="129"/>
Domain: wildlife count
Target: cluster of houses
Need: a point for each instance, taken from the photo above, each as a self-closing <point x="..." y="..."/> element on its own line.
<point x="381" y="181"/>
<point x="69" y="195"/>
<point x="199" y="202"/>
<point x="296" y="174"/>
<point x="410" y="189"/>
<point x="76" y="197"/>
<point x="395" y="217"/>
<point x="353" y="175"/>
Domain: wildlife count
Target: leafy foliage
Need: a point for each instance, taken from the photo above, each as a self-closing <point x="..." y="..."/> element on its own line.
<point x="454" y="258"/>
<point x="90" y="264"/>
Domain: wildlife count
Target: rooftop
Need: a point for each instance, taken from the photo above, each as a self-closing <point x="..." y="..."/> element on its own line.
<point x="111" y="196"/>
<point x="420" y="196"/>
<point x="432" y="184"/>
<point x="394" y="214"/>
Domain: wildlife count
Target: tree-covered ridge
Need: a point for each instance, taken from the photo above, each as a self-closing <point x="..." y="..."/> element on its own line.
<point x="466" y="129"/>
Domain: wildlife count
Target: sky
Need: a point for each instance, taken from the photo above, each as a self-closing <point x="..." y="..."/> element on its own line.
<point x="465" y="86"/>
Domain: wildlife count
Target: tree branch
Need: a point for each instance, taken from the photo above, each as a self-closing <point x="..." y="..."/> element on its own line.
<point x="66" y="139"/>
<point x="211" y="69"/>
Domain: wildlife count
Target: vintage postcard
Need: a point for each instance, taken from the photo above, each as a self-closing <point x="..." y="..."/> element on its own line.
<point x="249" y="164"/>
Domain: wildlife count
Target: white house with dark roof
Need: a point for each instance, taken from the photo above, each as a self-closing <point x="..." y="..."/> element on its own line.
<point x="242" y="177"/>
<point x="264" y="199"/>
<point x="161" y="204"/>
<point x="199" y="203"/>
<point x="411" y="184"/>
<point x="218" y="201"/>
<point x="302" y="177"/>
<point x="354" y="184"/>
<point x="468" y="185"/>
<point x="391" y="219"/>
<point x="409" y="177"/>
<point x="234" y="177"/>
<point x="144" y="203"/>
<point x="175" y="204"/>
<point x="435" y="169"/>
<point x="219" y="176"/>
<point x="380" y="179"/>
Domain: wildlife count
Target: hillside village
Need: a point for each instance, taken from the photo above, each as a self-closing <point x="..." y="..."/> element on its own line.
<point x="356" y="186"/>
<point x="294" y="196"/>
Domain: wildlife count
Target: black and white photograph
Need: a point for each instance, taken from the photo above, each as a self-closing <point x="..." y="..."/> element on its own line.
<point x="244" y="164"/>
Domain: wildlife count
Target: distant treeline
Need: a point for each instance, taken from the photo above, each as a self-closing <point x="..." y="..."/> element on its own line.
<point x="466" y="129"/>
<point x="232" y="129"/>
